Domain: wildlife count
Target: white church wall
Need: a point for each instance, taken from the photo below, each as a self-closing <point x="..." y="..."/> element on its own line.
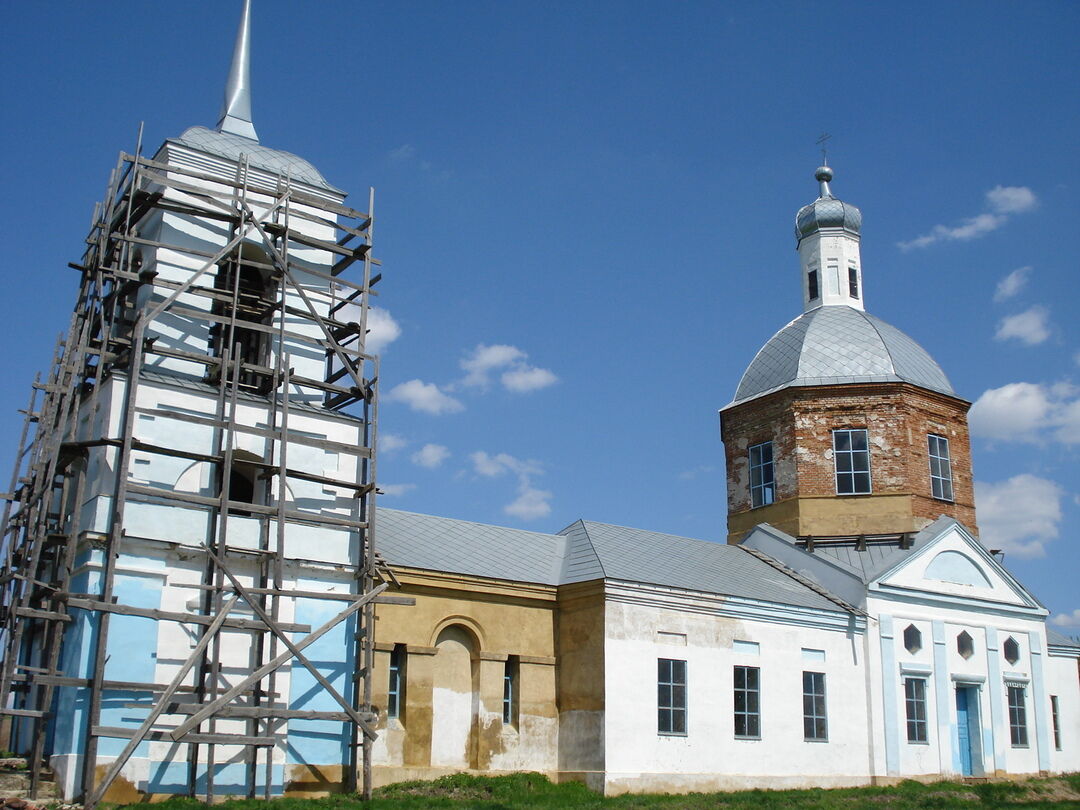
<point x="1063" y="682"/>
<point x="644" y="624"/>
<point x="944" y="667"/>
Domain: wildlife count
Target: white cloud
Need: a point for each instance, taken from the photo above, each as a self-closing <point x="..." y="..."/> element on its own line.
<point x="1011" y="199"/>
<point x="485" y="359"/>
<point x="382" y="330"/>
<point x="1019" y="515"/>
<point x="1003" y="201"/>
<point x="530" y="503"/>
<point x="402" y="153"/>
<point x="1028" y="412"/>
<point x="1031" y="327"/>
<point x="527" y="378"/>
<point x="424" y="397"/>
<point x="389" y="442"/>
<point x="1067" y="619"/>
<point x="430" y="455"/>
<point x="395" y="489"/>
<point x="1012" y="283"/>
<point x="518" y="376"/>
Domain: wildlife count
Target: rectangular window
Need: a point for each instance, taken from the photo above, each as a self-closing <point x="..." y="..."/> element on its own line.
<point x="853" y="282"/>
<point x="815" y="721"/>
<point x="812" y="285"/>
<point x="395" y="692"/>
<point x="1056" y="721"/>
<point x="851" y="454"/>
<point x="1017" y="717"/>
<point x="671" y="696"/>
<point x="915" y="706"/>
<point x="748" y="702"/>
<point x="762" y="492"/>
<point x="510" y="692"/>
<point x="940" y="467"/>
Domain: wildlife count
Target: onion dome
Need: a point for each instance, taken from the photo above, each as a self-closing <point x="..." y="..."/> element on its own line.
<point x="839" y="345"/>
<point x="826" y="211"/>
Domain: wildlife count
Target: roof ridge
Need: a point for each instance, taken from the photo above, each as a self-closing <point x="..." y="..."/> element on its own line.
<point x="804" y="581"/>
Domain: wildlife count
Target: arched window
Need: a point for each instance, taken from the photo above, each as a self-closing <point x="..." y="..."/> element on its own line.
<point x="245" y="297"/>
<point x="245" y="485"/>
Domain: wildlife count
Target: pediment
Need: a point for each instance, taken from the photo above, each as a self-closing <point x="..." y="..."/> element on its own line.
<point x="954" y="565"/>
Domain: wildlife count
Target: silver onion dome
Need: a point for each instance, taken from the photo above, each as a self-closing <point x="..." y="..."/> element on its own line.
<point x="826" y="211"/>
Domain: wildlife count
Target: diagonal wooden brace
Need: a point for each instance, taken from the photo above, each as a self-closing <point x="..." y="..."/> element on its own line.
<point x="284" y="637"/>
<point x="211" y="708"/>
<point x="159" y="708"/>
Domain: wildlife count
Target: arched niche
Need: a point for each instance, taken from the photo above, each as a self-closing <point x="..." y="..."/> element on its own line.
<point x="952" y="566"/>
<point x="454" y="698"/>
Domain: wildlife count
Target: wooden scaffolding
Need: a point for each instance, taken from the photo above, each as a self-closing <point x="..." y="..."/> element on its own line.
<point x="110" y="340"/>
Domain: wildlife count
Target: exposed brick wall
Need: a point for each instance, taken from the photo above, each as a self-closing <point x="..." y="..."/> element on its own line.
<point x="897" y="416"/>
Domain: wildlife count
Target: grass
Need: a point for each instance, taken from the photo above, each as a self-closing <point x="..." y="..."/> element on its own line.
<point x="530" y="791"/>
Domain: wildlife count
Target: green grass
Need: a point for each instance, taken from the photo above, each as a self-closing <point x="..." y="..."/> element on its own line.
<point x="530" y="791"/>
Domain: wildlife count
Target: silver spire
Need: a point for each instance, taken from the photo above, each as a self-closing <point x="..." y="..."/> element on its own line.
<point x="236" y="109"/>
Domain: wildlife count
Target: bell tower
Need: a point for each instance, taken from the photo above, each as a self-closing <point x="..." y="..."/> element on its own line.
<point x="843" y="425"/>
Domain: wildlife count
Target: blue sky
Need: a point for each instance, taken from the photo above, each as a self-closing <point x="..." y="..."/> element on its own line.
<point x="585" y="212"/>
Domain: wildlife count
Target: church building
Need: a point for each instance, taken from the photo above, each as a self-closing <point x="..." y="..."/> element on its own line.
<point x="201" y="597"/>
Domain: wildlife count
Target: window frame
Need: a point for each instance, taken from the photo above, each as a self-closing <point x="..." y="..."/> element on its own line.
<point x="511" y="687"/>
<point x="395" y="687"/>
<point x="853" y="281"/>
<point x="813" y="285"/>
<point x="850" y="453"/>
<point x="751" y="694"/>
<point x="1018" y="727"/>
<point x="915" y="711"/>
<point x="941" y="480"/>
<point x="816" y="711"/>
<point x="671" y="709"/>
<point x="762" y="493"/>
<point x="1055" y="720"/>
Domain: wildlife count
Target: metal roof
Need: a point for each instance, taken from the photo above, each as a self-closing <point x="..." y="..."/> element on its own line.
<point x="275" y="161"/>
<point x="582" y="552"/>
<point x="462" y="547"/>
<point x="834" y="345"/>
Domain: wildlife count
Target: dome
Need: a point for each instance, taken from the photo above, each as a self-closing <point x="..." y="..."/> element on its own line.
<point x="827" y="211"/>
<point x="275" y="161"/>
<point x="834" y="345"/>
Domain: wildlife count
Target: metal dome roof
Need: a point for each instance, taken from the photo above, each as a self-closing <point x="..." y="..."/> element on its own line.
<point x="275" y="161"/>
<point x="834" y="345"/>
<point x="827" y="211"/>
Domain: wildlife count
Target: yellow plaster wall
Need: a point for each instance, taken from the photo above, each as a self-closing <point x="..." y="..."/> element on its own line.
<point x="505" y="619"/>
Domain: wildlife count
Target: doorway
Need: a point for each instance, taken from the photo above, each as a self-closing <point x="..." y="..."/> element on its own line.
<point x="969" y="730"/>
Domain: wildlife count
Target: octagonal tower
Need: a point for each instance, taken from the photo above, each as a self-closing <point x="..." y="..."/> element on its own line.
<point x="843" y="425"/>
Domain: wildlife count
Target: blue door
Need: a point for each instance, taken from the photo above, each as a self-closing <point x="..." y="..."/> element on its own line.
<point x="963" y="729"/>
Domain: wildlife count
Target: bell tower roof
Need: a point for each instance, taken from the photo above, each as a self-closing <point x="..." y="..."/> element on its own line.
<point x="827" y="211"/>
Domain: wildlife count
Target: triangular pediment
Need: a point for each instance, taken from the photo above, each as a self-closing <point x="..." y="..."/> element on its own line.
<point x="947" y="563"/>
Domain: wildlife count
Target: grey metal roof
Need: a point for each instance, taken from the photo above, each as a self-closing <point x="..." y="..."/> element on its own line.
<point x="459" y="546"/>
<point x="582" y="552"/>
<point x="639" y="555"/>
<point x="827" y="212"/>
<point x="276" y="161"/>
<point x="1057" y="639"/>
<point x="833" y="345"/>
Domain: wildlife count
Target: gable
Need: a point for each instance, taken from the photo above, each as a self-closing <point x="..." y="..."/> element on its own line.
<point x="953" y="566"/>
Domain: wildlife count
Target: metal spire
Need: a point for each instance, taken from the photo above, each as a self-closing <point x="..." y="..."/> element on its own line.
<point x="236" y="109"/>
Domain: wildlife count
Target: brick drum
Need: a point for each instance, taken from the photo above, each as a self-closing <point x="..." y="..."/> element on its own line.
<point x="799" y="421"/>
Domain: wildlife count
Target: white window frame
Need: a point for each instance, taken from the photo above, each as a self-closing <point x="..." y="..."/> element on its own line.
<point x="818" y="708"/>
<point x="751" y="707"/>
<point x="941" y="481"/>
<point x="1018" y="725"/>
<point x="671" y="697"/>
<point x="762" y="493"/>
<point x="851" y="455"/>
<point x="915" y="710"/>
